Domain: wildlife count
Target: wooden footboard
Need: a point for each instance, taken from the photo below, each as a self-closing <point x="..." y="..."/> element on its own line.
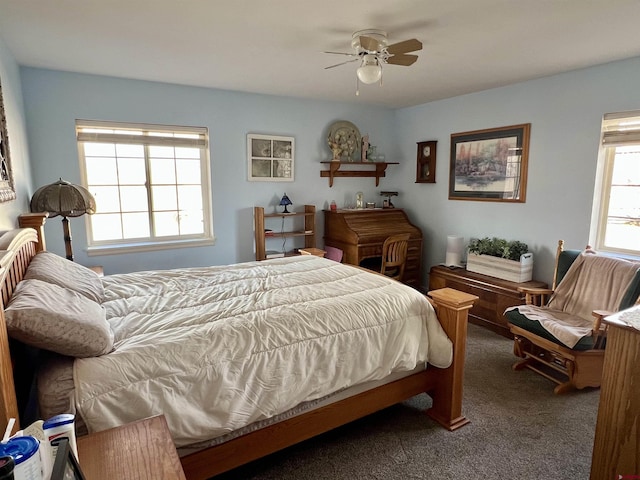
<point x="443" y="385"/>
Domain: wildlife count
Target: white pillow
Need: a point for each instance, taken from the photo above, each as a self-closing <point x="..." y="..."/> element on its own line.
<point x="47" y="316"/>
<point x="51" y="268"/>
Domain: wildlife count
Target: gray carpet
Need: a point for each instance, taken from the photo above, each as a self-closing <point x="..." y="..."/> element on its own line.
<point x="519" y="430"/>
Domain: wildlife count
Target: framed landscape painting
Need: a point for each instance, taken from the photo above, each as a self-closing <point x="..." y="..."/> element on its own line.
<point x="490" y="165"/>
<point x="271" y="158"/>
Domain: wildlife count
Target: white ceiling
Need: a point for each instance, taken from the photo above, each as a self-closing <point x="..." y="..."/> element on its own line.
<point x="275" y="46"/>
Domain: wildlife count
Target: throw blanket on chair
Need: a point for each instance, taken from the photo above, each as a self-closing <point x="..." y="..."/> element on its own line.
<point x="593" y="282"/>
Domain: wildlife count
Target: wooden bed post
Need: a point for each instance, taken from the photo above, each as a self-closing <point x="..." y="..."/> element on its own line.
<point x="35" y="221"/>
<point x="452" y="307"/>
<point x="8" y="401"/>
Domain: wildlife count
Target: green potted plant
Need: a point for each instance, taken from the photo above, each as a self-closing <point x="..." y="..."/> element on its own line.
<point x="497" y="257"/>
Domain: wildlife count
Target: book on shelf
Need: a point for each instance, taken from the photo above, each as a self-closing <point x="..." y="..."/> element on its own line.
<point x="274" y="254"/>
<point x="268" y="232"/>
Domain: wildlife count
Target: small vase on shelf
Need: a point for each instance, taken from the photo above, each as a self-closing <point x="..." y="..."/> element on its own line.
<point x="372" y="153"/>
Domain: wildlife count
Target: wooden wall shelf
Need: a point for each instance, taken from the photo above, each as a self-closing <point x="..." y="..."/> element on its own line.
<point x="335" y="171"/>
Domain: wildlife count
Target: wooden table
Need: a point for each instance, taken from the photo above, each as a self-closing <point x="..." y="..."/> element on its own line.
<point x="494" y="294"/>
<point x="141" y="450"/>
<point x="318" y="252"/>
<point x="616" y="445"/>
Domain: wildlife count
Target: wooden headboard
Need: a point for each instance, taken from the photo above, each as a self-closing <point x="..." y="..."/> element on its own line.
<point x="17" y="248"/>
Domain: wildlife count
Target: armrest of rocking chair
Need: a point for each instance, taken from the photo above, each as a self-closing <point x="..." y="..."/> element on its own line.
<point x="535" y="296"/>
<point x="599" y="329"/>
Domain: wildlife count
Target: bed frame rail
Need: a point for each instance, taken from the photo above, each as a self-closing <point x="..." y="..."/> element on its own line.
<point x="444" y="386"/>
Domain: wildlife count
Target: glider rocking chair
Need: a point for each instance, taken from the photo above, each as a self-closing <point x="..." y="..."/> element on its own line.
<point x="555" y="334"/>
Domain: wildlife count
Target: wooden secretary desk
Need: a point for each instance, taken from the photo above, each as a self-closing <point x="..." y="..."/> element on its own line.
<point x="361" y="233"/>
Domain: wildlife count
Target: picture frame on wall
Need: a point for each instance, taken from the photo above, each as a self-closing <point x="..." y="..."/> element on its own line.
<point x="270" y="158"/>
<point x="7" y="188"/>
<point x="490" y="165"/>
<point x="426" y="162"/>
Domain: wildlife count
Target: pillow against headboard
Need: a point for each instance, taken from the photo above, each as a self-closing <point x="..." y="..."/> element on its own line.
<point x="47" y="316"/>
<point x="51" y="268"/>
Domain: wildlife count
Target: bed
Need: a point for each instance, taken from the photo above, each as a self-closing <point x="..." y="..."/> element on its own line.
<point x="223" y="409"/>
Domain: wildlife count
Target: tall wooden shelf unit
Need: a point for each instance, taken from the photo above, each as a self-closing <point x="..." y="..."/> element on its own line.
<point x="308" y="232"/>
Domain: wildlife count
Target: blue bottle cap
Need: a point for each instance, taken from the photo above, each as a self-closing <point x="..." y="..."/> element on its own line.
<point x="58" y="420"/>
<point x="20" y="448"/>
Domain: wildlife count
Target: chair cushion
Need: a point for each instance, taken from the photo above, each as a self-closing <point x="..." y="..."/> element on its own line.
<point x="518" y="319"/>
<point x="333" y="253"/>
<point x="633" y="293"/>
<point x="594" y="282"/>
<point x="566" y="258"/>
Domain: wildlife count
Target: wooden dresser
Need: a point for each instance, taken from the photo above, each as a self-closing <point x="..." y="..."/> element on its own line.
<point x="616" y="446"/>
<point x="361" y="233"/>
<point x="495" y="294"/>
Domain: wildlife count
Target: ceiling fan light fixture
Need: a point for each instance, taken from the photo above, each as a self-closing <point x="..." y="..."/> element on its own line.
<point x="370" y="71"/>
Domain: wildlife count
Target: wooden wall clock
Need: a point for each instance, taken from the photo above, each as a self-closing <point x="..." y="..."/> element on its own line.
<point x="426" y="162"/>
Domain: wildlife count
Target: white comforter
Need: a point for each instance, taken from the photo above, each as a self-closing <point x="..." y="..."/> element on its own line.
<point x="218" y="348"/>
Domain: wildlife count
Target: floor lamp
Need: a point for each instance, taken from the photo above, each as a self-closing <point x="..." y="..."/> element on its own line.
<point x="64" y="199"/>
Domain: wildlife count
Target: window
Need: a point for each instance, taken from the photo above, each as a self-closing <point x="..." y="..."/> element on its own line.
<point x="151" y="185"/>
<point x="616" y="214"/>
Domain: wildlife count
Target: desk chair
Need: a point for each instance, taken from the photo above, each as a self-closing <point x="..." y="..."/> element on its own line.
<point x="394" y="255"/>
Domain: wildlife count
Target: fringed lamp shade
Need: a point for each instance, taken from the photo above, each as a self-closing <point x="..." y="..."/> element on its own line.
<point x="64" y="199"/>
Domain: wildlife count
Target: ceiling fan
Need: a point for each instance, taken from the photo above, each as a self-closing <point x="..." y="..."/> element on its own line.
<point x="371" y="49"/>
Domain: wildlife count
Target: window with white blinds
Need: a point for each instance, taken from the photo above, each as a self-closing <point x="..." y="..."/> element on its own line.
<point x="151" y="184"/>
<point x="616" y="215"/>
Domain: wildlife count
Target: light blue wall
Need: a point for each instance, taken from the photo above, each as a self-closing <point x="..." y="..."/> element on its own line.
<point x="17" y="131"/>
<point x="54" y="100"/>
<point x="565" y="112"/>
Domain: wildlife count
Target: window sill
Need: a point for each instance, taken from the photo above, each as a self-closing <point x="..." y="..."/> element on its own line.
<point x="148" y="246"/>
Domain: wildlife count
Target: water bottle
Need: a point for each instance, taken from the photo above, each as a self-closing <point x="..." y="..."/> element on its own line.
<point x="61" y="426"/>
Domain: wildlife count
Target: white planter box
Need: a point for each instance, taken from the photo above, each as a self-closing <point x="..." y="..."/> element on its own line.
<point x="511" y="270"/>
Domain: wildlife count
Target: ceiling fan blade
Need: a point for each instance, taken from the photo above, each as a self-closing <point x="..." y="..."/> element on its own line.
<point x="368" y="43"/>
<point x="404" y="47"/>
<point x="338" y="64"/>
<point x="341" y="53"/>
<point x="402" y="59"/>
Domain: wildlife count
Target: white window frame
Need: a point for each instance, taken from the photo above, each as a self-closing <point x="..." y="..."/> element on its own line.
<point x="149" y="243"/>
<point x="618" y="129"/>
